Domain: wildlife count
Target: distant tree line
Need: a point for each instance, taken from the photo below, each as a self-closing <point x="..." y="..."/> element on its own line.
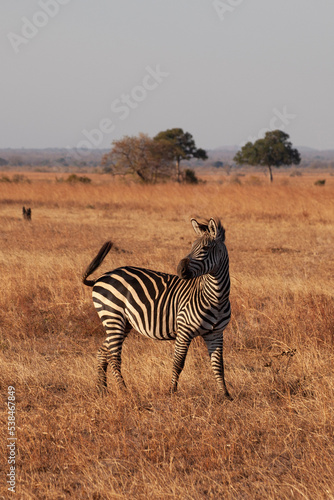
<point x="156" y="159"/>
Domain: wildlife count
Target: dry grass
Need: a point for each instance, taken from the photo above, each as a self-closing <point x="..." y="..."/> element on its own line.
<point x="274" y="441"/>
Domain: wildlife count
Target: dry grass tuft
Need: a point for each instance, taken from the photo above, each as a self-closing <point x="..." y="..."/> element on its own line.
<point x="275" y="440"/>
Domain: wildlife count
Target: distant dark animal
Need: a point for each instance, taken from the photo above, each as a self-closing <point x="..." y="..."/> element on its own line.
<point x="167" y="307"/>
<point x="26" y="213"/>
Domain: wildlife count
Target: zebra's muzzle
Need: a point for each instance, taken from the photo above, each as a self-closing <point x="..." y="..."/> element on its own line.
<point x="183" y="270"/>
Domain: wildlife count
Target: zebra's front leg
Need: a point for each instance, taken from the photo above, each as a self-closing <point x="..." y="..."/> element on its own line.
<point x="180" y="352"/>
<point x="215" y="348"/>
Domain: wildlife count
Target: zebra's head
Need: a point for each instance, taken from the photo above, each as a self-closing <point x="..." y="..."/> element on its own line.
<point x="207" y="251"/>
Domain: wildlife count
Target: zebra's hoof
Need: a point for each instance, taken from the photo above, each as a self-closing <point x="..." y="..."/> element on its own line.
<point x="225" y="396"/>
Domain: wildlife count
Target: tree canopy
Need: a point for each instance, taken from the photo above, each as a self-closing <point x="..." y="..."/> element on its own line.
<point x="141" y="157"/>
<point x="182" y="147"/>
<point x="151" y="160"/>
<point x="274" y="150"/>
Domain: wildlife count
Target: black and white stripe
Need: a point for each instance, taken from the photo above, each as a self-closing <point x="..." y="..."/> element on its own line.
<point x="167" y="307"/>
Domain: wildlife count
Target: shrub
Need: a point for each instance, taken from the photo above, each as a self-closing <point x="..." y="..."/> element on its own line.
<point x="16" y="178"/>
<point x="320" y="182"/>
<point x="190" y="176"/>
<point x="235" y="180"/>
<point x="253" y="180"/>
<point x="20" y="178"/>
<point x="296" y="173"/>
<point x="73" y="178"/>
<point x="4" y="178"/>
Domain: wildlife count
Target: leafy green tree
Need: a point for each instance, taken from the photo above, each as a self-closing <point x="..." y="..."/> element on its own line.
<point x="274" y="150"/>
<point x="182" y="147"/>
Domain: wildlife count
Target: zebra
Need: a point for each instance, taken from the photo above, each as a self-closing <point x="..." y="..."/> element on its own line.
<point x="165" y="306"/>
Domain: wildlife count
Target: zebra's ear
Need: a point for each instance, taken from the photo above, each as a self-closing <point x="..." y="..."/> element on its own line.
<point x="199" y="229"/>
<point x="213" y="229"/>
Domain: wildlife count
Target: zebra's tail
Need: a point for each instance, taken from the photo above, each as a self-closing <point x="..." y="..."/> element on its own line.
<point x="95" y="263"/>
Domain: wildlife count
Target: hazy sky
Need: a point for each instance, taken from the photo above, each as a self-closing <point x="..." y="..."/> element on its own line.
<point x="84" y="73"/>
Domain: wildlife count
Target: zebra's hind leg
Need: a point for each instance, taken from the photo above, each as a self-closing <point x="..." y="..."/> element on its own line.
<point x="114" y="359"/>
<point x="215" y="348"/>
<point x="102" y="365"/>
<point x="180" y="352"/>
<point x="111" y="354"/>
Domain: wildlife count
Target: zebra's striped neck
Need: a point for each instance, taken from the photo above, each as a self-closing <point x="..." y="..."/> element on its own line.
<point x="214" y="288"/>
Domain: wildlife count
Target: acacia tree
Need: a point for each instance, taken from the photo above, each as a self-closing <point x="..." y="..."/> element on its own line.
<point x="141" y="157"/>
<point x="274" y="150"/>
<point x="182" y="147"/>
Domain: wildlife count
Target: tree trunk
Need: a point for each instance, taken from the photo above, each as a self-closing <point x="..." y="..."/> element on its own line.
<point x="138" y="172"/>
<point x="178" y="170"/>
<point x="270" y="174"/>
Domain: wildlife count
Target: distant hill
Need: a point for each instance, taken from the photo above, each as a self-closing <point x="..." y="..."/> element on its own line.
<point x="63" y="159"/>
<point x="51" y="158"/>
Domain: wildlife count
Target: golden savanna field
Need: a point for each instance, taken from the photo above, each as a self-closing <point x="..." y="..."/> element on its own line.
<point x="274" y="441"/>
